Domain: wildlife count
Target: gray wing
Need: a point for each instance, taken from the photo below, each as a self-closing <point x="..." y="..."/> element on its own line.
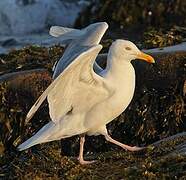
<point x="67" y="58"/>
<point x="64" y="62"/>
<point x="88" y="36"/>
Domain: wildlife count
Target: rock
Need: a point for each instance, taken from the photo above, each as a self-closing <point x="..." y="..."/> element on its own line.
<point x="177" y="142"/>
<point x="170" y="49"/>
<point x="17" y="79"/>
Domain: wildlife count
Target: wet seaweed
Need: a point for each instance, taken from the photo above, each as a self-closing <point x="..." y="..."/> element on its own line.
<point x="157" y="38"/>
<point x="29" y="58"/>
<point x="157" y="111"/>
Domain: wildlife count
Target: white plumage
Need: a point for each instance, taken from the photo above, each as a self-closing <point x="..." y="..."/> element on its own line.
<point x="83" y="102"/>
<point x="76" y="40"/>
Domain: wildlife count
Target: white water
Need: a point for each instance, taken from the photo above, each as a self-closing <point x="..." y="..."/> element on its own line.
<point x="18" y="19"/>
<point x="25" y="24"/>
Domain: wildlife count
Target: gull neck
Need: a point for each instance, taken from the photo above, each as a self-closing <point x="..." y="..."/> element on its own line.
<point x="117" y="66"/>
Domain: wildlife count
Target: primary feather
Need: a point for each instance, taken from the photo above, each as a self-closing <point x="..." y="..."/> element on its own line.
<point x="67" y="33"/>
<point x="89" y="36"/>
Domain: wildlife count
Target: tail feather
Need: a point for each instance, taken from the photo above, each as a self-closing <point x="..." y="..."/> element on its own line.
<point x="55" y="131"/>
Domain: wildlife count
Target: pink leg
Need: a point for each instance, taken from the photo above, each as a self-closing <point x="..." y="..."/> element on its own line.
<point x="124" y="146"/>
<point x="80" y="158"/>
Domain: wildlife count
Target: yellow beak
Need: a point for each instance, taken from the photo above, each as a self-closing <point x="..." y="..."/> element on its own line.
<point x="146" y="57"/>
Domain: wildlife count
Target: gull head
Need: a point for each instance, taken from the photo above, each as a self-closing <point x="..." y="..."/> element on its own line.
<point x="128" y="51"/>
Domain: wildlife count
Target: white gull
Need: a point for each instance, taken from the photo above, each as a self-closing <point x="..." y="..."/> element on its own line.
<point x="82" y="102"/>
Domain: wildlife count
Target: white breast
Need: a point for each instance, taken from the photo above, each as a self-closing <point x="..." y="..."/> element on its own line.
<point x="123" y="84"/>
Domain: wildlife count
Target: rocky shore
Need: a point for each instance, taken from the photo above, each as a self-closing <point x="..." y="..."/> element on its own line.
<point x="156" y="113"/>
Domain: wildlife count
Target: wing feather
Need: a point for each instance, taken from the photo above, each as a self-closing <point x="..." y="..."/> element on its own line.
<point x="66" y="33"/>
<point x="76" y="86"/>
<point x="65" y="92"/>
<point x="38" y="103"/>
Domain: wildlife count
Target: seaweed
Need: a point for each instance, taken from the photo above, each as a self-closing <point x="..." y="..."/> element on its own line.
<point x="156" y="112"/>
<point x="135" y="13"/>
<point x="152" y="23"/>
<point x="29" y="58"/>
<point x="153" y="38"/>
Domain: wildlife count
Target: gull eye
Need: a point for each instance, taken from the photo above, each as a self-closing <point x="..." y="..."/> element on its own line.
<point x="128" y="48"/>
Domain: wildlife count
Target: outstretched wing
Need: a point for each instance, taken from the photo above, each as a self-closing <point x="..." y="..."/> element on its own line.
<point x="70" y="54"/>
<point x="64" y="93"/>
<point x="38" y="103"/>
<point x="78" y="88"/>
<point x="43" y="96"/>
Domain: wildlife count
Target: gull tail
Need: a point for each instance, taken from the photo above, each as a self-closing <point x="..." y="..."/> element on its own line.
<point x="42" y="136"/>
